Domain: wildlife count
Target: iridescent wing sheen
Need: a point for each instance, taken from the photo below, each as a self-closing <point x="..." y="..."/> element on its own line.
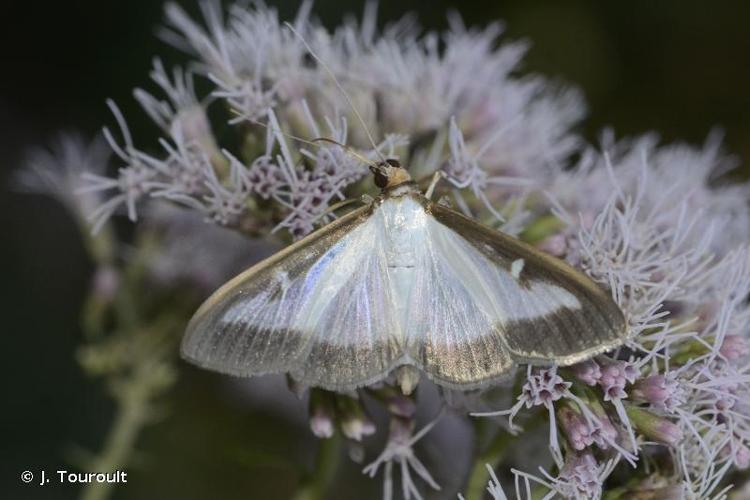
<point x="403" y="282"/>
<point x="483" y="301"/>
<point x="319" y="310"/>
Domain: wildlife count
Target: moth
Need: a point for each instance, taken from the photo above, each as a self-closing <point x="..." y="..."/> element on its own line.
<point x="406" y="286"/>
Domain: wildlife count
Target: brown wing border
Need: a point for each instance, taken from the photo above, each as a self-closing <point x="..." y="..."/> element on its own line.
<point x="543" y="266"/>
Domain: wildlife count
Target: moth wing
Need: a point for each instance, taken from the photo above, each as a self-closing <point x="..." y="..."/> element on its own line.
<point x="483" y="301"/>
<point x="319" y="310"/>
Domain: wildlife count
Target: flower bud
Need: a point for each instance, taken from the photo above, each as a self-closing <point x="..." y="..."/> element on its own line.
<point x="604" y="432"/>
<point x="588" y="372"/>
<point x="322" y="414"/>
<point x="395" y="401"/>
<point x="577" y="431"/>
<point x="742" y="457"/>
<point x="355" y="424"/>
<point x="724" y="404"/>
<point x="654" y="427"/>
<point x="739" y="453"/>
<point x="734" y="347"/>
<point x="658" y="390"/>
<point x="581" y="473"/>
<point x="615" y="376"/>
<point x="400" y="431"/>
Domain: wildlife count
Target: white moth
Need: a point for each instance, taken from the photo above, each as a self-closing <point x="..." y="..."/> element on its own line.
<point x="402" y="284"/>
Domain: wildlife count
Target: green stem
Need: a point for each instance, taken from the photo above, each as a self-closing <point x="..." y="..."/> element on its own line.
<point x="132" y="415"/>
<point x="329" y="456"/>
<point x="492" y="456"/>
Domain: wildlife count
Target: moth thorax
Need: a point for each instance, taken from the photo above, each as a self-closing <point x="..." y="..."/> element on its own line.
<point x="389" y="173"/>
<point x="407" y="378"/>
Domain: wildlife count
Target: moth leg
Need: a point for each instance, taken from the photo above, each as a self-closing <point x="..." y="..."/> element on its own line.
<point x="433" y="183"/>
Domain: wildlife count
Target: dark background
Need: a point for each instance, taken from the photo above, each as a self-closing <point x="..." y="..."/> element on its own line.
<point x="678" y="67"/>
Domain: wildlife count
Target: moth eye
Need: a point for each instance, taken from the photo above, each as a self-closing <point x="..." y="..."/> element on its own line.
<point x="381" y="179"/>
<point x="393" y="163"/>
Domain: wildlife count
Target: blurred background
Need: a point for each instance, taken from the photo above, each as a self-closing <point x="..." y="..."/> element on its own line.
<point x="677" y="67"/>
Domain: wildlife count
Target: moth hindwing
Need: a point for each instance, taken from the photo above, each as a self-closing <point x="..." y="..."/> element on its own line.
<point x="403" y="281"/>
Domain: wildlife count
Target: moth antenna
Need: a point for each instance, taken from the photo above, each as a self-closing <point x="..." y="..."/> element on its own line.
<point x="341" y="89"/>
<point x="264" y="125"/>
<point x="313" y="142"/>
<point x="348" y="149"/>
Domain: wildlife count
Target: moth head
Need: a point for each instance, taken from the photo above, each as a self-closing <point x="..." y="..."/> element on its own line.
<point x="389" y="173"/>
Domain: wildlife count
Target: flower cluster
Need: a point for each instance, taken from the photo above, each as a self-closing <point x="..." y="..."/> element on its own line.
<point x="656" y="225"/>
<point x="671" y="244"/>
<point x="403" y="86"/>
